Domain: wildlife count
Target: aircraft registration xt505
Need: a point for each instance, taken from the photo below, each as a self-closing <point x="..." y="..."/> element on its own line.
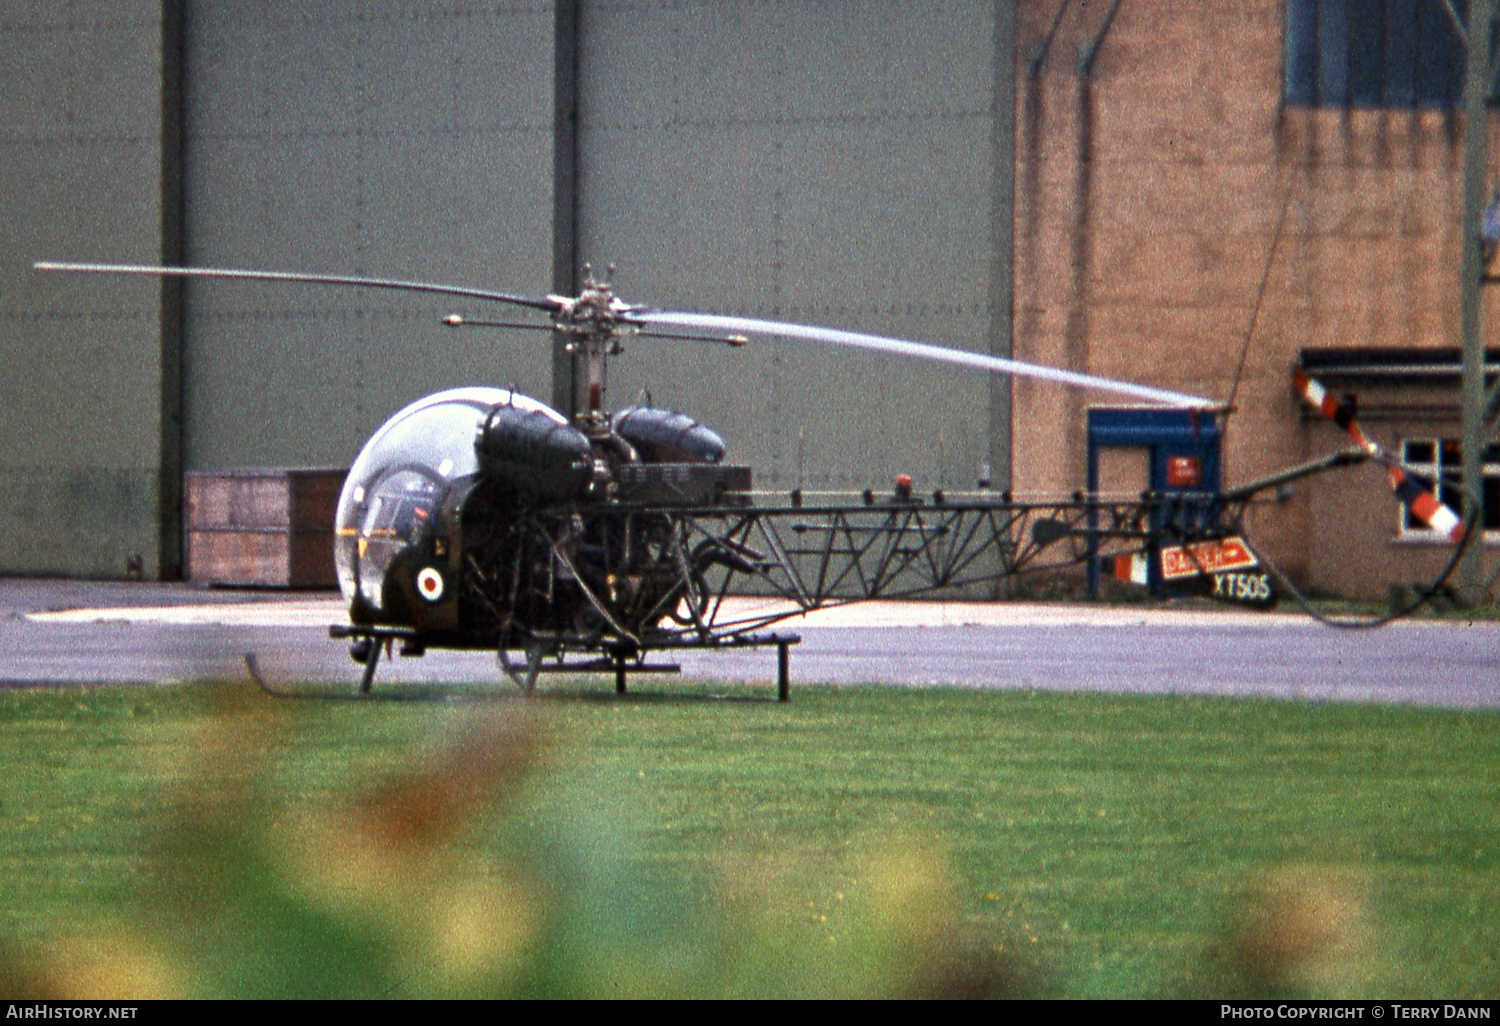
<point x="479" y="518"/>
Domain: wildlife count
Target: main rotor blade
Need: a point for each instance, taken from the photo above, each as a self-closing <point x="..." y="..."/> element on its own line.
<point x="917" y="350"/>
<point x="548" y="304"/>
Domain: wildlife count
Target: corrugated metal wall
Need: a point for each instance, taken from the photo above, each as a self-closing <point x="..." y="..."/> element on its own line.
<point x="390" y="139"/>
<point x="83" y="409"/>
<point x="845" y="163"/>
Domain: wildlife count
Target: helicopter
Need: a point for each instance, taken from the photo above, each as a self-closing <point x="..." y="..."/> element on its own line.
<point x="479" y="518"/>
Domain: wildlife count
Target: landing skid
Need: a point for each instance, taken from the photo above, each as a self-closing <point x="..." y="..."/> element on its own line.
<point x="253" y="666"/>
<point x="535" y="660"/>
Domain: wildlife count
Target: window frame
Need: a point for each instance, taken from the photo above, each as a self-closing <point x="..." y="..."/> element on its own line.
<point x="1336" y="55"/>
<point x="1445" y="465"/>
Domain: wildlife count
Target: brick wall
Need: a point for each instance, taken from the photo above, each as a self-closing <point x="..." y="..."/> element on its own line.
<point x="1153" y="198"/>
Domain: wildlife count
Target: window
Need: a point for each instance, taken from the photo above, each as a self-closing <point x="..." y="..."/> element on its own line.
<point x="1440" y="460"/>
<point x="1374" y="53"/>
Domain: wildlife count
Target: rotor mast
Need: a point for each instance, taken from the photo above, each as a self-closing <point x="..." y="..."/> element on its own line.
<point x="591" y="324"/>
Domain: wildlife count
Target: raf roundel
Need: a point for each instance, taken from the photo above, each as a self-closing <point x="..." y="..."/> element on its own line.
<point x="430" y="584"/>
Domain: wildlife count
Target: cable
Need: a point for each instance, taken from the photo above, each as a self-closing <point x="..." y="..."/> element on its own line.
<point x="1422" y="597"/>
<point x="1260" y="295"/>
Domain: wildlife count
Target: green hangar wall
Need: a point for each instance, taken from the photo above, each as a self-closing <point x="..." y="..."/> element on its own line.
<point x="89" y="476"/>
<point x="844" y="163"/>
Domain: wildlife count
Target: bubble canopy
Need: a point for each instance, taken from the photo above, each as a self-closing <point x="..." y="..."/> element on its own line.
<point x="401" y="476"/>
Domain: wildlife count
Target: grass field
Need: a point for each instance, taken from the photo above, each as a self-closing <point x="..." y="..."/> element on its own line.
<point x="696" y="840"/>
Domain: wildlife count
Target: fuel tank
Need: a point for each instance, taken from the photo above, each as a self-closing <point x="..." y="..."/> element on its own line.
<point x="664" y="436"/>
<point x="534" y="451"/>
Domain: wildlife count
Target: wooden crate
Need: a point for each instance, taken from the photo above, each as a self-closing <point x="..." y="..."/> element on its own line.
<point x="263" y="527"/>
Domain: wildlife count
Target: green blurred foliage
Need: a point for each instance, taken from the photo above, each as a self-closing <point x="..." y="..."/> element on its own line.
<point x="206" y="841"/>
<point x="440" y="877"/>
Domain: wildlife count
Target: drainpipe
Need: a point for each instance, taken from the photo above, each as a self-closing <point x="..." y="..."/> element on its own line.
<point x="1039" y="62"/>
<point x="1086" y="62"/>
